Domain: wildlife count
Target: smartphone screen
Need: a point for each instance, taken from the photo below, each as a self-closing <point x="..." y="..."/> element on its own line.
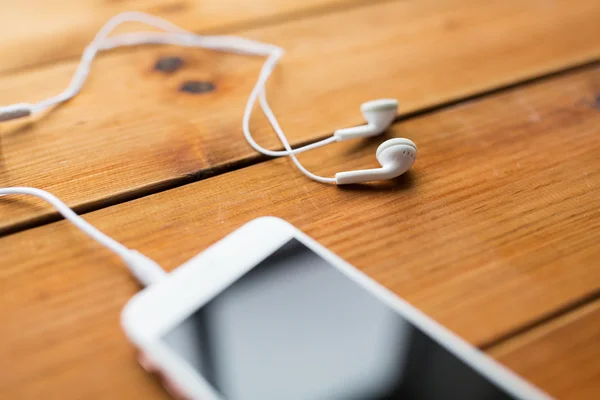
<point x="296" y="328"/>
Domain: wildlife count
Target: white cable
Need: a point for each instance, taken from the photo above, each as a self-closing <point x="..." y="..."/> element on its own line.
<point x="269" y="113"/>
<point x="145" y="270"/>
<point x="175" y="35"/>
<point x="92" y="49"/>
<point x="259" y="90"/>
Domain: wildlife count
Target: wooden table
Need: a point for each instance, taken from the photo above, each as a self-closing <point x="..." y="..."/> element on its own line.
<point x="495" y="232"/>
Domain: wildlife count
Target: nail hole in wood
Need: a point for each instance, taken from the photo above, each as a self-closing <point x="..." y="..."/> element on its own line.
<point x="197" y="87"/>
<point x="168" y="64"/>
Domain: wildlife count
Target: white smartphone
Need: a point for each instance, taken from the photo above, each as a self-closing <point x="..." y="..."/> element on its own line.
<point x="268" y="313"/>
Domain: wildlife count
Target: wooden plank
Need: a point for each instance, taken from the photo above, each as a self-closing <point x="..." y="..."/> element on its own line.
<point x="132" y="131"/>
<point x="561" y="356"/>
<point x="496" y="226"/>
<point x="58" y="32"/>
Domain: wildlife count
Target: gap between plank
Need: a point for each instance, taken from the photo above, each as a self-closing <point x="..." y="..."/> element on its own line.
<point x="529" y="326"/>
<point x="258" y="22"/>
<point x="585" y="65"/>
<point x="258" y="158"/>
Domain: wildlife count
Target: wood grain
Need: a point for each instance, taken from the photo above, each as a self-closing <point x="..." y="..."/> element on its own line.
<point x="133" y="132"/>
<point x="56" y="32"/>
<point x="561" y="356"/>
<point x="496" y="226"/>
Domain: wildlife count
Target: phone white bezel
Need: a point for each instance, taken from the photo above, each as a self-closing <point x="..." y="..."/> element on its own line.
<point x="153" y="312"/>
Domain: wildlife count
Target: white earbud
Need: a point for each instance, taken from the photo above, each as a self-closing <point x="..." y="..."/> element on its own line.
<point x="396" y="156"/>
<point x="379" y="114"/>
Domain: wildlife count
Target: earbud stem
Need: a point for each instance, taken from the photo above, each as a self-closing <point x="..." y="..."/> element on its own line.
<point x="355" y="132"/>
<point x="365" y="175"/>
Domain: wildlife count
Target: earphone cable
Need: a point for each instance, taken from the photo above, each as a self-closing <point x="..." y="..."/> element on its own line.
<point x="145" y="270"/>
<point x="175" y="35"/>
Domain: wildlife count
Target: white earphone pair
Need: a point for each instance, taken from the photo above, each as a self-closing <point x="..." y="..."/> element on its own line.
<point x="396" y="156"/>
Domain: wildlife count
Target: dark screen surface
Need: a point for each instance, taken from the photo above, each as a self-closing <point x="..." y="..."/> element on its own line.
<point x="296" y="328"/>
